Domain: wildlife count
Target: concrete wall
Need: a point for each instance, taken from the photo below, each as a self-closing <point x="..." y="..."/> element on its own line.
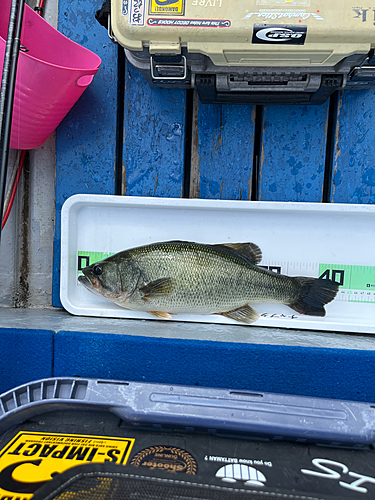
<point x="26" y="249"/>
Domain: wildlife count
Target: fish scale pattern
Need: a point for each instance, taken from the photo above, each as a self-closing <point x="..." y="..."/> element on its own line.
<point x="206" y="279"/>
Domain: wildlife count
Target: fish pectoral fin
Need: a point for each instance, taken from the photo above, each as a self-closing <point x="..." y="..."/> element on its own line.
<point x="162" y="286"/>
<point x="243" y="314"/>
<point x="160" y="314"/>
<point x="250" y="251"/>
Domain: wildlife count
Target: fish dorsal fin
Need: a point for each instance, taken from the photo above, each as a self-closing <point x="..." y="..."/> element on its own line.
<point x="249" y="250"/>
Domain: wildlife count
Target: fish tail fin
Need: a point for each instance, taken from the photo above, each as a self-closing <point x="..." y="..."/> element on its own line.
<point x="312" y="295"/>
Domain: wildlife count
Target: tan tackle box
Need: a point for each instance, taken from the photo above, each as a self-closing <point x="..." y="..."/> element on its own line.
<point x="253" y="51"/>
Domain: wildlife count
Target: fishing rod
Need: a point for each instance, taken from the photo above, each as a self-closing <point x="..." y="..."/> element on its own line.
<point x="8" y="82"/>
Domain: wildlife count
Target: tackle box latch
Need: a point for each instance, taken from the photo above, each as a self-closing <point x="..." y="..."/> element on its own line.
<point x="362" y="77"/>
<point x="168" y="67"/>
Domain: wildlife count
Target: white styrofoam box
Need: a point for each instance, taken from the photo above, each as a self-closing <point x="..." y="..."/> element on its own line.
<point x="299" y="238"/>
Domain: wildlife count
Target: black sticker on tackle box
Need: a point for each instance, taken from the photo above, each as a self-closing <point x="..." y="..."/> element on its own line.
<point x="280" y="34"/>
<point x="166" y="458"/>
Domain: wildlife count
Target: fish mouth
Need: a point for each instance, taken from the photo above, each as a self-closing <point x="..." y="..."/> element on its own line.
<point x="93" y="287"/>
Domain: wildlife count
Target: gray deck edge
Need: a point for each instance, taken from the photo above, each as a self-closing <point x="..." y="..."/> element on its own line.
<point x="56" y="320"/>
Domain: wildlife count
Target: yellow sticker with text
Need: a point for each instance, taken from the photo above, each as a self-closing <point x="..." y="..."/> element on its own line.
<point x="33" y="458"/>
<point x="167" y="7"/>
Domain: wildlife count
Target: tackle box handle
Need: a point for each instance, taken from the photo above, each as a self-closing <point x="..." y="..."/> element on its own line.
<point x="261" y="414"/>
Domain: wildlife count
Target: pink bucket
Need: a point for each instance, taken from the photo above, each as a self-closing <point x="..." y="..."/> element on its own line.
<point x="51" y="76"/>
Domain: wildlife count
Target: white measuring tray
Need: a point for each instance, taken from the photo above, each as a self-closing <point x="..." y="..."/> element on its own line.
<point x="298" y="239"/>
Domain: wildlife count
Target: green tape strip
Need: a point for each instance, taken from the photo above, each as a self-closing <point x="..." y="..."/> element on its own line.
<point x="87" y="258"/>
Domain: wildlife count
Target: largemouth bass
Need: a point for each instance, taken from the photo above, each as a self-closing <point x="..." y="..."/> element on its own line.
<point x="176" y="277"/>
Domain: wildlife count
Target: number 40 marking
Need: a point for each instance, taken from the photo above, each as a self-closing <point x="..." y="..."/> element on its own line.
<point x="336" y="275"/>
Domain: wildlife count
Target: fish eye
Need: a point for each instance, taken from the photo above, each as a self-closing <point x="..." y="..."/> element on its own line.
<point x="97" y="270"/>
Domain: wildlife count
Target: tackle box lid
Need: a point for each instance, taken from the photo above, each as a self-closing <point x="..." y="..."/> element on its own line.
<point x="254" y="33"/>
